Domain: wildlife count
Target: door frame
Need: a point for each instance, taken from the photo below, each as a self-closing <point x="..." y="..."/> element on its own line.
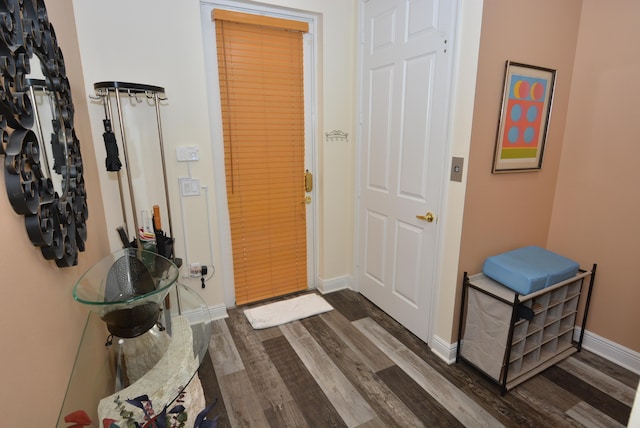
<point x="310" y="46"/>
<point x="437" y="275"/>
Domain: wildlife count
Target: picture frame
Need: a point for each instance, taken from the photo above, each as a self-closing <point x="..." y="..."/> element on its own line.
<point x="524" y="117"/>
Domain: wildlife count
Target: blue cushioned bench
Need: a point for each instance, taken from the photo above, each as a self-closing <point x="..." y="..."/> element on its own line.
<point x="529" y="269"/>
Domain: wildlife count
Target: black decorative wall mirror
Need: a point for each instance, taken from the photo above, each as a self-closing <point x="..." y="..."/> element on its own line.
<point x="44" y="181"/>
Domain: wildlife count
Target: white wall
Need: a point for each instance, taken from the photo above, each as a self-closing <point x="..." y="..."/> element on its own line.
<point x="461" y="117"/>
<point x="159" y="42"/>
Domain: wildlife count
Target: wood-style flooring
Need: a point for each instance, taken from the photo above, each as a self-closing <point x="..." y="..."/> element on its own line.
<point x="357" y="367"/>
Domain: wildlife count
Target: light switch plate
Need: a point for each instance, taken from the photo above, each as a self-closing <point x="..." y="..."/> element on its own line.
<point x="189" y="186"/>
<point x="456" y="168"/>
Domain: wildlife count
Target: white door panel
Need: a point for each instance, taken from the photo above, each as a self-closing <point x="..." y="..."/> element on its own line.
<point x="406" y="66"/>
<point x="379" y="147"/>
<point x="375" y="254"/>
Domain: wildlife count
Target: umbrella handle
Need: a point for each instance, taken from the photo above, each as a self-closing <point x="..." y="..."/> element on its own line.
<point x="157" y="223"/>
<point x="123" y="237"/>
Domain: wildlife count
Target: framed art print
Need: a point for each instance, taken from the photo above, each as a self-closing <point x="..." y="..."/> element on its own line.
<point x="524" y="118"/>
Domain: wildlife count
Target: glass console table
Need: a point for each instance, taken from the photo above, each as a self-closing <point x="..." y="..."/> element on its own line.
<point x="160" y="363"/>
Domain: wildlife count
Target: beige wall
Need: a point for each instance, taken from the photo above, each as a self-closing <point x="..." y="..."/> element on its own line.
<point x="506" y="211"/>
<point x="583" y="203"/>
<point x="596" y="208"/>
<point x="40" y="324"/>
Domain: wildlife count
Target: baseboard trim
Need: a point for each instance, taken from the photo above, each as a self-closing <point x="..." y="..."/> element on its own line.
<point x="326" y="286"/>
<point x="621" y="355"/>
<point x="218" y="312"/>
<point x="618" y="354"/>
<point x="194" y="316"/>
<point x="443" y="349"/>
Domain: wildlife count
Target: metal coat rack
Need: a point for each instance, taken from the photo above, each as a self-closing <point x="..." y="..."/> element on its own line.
<point x="104" y="92"/>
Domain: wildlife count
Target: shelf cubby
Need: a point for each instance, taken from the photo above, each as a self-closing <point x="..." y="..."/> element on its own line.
<point x="495" y="339"/>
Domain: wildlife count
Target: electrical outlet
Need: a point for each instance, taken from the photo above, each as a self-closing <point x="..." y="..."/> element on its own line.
<point x="195" y="269"/>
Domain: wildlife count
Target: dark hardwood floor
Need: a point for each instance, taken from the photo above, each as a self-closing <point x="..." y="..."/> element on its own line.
<point x="357" y="367"/>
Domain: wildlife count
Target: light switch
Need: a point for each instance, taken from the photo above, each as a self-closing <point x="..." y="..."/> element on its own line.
<point x="189" y="186"/>
<point x="456" y="169"/>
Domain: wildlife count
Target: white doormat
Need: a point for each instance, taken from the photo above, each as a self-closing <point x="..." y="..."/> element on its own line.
<point x="286" y="311"/>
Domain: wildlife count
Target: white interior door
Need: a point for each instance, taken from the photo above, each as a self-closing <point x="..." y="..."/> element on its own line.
<point x="406" y="68"/>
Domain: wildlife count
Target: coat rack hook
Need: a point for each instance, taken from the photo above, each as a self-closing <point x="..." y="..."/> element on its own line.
<point x="134" y="95"/>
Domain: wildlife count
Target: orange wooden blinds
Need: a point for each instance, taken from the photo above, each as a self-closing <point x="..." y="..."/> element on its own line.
<point x="261" y="92"/>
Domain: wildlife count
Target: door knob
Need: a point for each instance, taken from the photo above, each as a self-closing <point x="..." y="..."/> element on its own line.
<point x="429" y="217"/>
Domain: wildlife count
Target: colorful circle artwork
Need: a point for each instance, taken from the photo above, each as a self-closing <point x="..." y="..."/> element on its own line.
<point x="529" y="133"/>
<point x="523" y="116"/>
<point x="513" y="135"/>
<point x="516" y="113"/>
<point x="537" y="91"/>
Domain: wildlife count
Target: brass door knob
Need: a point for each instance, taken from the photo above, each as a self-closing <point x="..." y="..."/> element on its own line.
<point x="429" y="217"/>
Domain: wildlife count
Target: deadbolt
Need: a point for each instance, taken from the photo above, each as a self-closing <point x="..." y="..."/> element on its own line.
<point x="429" y="217"/>
<point x="308" y="181"/>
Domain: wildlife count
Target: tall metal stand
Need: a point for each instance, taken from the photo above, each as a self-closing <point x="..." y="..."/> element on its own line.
<point x="104" y="91"/>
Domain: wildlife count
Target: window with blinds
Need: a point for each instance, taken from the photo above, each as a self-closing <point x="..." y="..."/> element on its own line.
<point x="260" y="63"/>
